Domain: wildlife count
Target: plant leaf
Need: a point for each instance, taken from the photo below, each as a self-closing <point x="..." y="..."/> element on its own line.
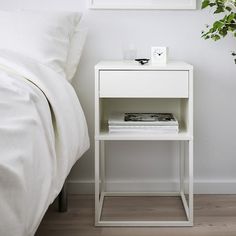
<point x="215" y="37"/>
<point x="205" y="3"/>
<point x="228" y="8"/>
<point x="218" y="24"/>
<point x="219" y="9"/>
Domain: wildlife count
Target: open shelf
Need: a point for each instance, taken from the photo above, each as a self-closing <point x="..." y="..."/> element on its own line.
<point x="177" y="106"/>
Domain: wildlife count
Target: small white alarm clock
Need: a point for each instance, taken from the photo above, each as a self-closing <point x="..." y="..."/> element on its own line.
<point x="159" y="55"/>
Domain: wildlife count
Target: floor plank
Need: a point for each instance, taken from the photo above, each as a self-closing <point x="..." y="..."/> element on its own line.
<point x="214" y="215"/>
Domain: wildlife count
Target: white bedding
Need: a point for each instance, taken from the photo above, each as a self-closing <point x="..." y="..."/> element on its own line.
<point x="45" y="36"/>
<point x="36" y="154"/>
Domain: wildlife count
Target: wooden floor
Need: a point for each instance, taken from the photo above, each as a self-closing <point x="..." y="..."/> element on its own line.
<point x="214" y="215"/>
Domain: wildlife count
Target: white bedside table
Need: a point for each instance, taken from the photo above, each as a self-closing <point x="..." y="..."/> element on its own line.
<point x="130" y="87"/>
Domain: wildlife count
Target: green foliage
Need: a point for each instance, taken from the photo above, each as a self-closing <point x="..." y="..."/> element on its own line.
<point x="227" y="22"/>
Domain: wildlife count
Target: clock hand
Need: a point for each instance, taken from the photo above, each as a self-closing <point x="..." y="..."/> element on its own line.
<point x="158" y="53"/>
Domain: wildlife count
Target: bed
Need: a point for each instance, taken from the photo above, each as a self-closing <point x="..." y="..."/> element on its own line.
<point x="43" y="130"/>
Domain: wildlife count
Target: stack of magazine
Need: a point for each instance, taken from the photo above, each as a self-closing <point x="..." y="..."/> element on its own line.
<point x="151" y="123"/>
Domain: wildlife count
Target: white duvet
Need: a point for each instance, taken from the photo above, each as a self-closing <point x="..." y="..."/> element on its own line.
<point x="38" y="143"/>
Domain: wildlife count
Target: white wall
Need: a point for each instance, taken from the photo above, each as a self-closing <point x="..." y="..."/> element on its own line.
<point x="214" y="87"/>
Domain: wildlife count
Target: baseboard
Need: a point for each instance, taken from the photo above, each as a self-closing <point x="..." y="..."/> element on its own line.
<point x="200" y="187"/>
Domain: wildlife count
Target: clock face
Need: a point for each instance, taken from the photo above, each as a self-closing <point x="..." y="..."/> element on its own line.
<point x="159" y="55"/>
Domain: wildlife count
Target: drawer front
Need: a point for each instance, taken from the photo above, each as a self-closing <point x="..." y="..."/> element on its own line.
<point x="166" y="84"/>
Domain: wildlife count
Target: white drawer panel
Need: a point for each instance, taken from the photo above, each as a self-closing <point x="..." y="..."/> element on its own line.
<point x="166" y="84"/>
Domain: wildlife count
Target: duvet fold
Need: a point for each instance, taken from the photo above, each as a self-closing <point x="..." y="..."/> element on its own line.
<point x="43" y="132"/>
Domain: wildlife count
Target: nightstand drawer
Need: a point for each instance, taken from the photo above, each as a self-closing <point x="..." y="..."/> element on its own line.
<point x="166" y="84"/>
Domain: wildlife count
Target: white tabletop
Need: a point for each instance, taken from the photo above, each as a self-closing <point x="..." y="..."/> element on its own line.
<point x="133" y="65"/>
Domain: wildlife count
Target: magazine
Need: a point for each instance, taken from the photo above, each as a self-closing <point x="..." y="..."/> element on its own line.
<point x="142" y="119"/>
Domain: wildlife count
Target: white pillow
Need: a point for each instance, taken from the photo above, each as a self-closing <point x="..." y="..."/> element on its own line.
<point x="75" y="51"/>
<point x="43" y="36"/>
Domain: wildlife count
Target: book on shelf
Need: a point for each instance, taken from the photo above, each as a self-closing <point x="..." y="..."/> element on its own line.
<point x="149" y="123"/>
<point x="142" y="119"/>
<point x="151" y="129"/>
<point x="116" y="127"/>
<point x="140" y="131"/>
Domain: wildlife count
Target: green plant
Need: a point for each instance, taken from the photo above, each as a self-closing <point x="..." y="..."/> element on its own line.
<point x="227" y="22"/>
